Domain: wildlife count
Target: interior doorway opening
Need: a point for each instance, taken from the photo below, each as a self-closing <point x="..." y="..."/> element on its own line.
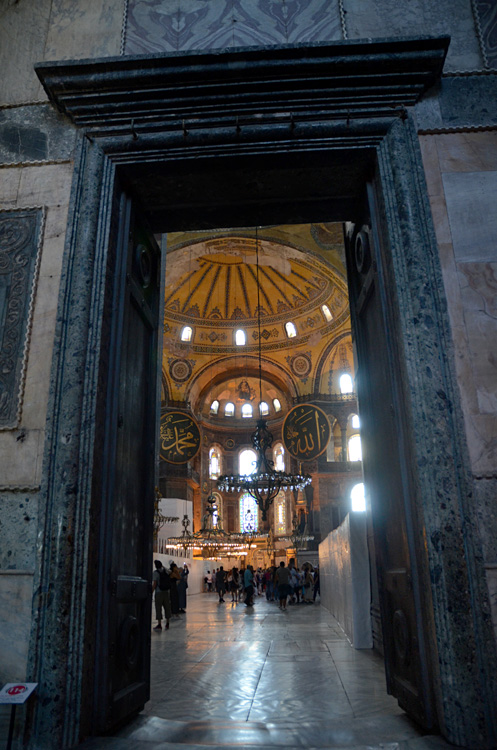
<point x="210" y="290"/>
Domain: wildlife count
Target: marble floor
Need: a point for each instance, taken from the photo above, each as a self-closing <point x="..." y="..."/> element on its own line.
<point x="225" y="675"/>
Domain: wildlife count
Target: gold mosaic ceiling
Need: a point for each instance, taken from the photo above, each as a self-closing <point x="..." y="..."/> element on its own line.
<point x="212" y="286"/>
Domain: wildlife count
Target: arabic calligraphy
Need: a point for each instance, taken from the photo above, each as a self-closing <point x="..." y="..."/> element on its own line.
<point x="179" y="437"/>
<point x="306" y="432"/>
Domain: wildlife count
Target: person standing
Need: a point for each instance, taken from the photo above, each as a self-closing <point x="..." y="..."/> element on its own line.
<point x="182" y="586"/>
<point x="234" y="585"/>
<point x="220" y="583"/>
<point x="174" y="575"/>
<point x="161" y="585"/>
<point x="282" y="581"/>
<point x="248" y="581"/>
<point x="209" y="581"/>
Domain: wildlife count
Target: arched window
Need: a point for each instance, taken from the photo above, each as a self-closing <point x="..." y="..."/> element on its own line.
<point x="186" y="333"/>
<point x="215" y="406"/>
<point x="279" y="457"/>
<point x="240" y="337"/>
<point x="249" y="517"/>
<point x="328" y="315"/>
<point x="229" y="409"/>
<point x="247" y="410"/>
<point x="357" y="497"/>
<point x="214" y="462"/>
<point x="277" y="404"/>
<point x="354" y="448"/>
<point x="354" y="422"/>
<point x="280" y="513"/>
<point x="346" y="385"/>
<point x="290" y="329"/>
<point x="247" y="461"/>
<point x="264" y="409"/>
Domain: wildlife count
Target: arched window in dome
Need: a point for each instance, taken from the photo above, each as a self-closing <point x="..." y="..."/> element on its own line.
<point x="280" y="513"/>
<point x="186" y="333"/>
<point x="346" y="385"/>
<point x="247" y="411"/>
<point x="214" y="462"/>
<point x="263" y="409"/>
<point x="277" y="404"/>
<point x="290" y="329"/>
<point x="249" y="516"/>
<point x="240" y="337"/>
<point x="279" y="457"/>
<point x="229" y="409"/>
<point x="354" y="448"/>
<point x="327" y="314"/>
<point x="215" y="406"/>
<point x="354" y="422"/>
<point x="358" y="498"/>
<point x="246" y="461"/>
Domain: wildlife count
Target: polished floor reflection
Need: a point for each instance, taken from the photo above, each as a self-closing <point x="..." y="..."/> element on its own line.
<point x="225" y="676"/>
<point x="228" y="661"/>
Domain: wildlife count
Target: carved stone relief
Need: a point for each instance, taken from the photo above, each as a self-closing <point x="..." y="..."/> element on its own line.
<point x="20" y="239"/>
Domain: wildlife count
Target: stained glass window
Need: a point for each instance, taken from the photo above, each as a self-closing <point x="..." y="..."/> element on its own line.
<point x="249" y="520"/>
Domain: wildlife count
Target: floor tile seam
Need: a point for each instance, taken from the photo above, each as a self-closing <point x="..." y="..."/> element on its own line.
<point x="258" y="681"/>
<point x="343" y="686"/>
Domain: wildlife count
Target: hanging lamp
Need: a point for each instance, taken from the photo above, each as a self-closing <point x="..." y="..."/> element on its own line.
<point x="264" y="483"/>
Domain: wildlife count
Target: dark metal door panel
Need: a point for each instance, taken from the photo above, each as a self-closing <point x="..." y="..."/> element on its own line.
<point x="123" y="649"/>
<point x="388" y="477"/>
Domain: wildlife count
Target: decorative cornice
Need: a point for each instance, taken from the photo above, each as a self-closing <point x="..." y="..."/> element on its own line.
<point x="189" y="91"/>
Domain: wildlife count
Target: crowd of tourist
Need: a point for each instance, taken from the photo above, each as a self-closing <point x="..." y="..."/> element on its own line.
<point x="285" y="584"/>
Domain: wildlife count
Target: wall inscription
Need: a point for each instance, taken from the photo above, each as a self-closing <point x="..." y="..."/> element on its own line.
<point x="179" y="437"/>
<point x="306" y="432"/>
<point x="20" y="235"/>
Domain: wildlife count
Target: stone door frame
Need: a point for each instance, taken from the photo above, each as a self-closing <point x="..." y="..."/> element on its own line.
<point x="143" y="119"/>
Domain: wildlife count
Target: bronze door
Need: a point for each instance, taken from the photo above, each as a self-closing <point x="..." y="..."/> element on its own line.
<point x="125" y="557"/>
<point x="388" y="474"/>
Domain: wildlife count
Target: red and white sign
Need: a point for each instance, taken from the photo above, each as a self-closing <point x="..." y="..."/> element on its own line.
<point x="16" y="692"/>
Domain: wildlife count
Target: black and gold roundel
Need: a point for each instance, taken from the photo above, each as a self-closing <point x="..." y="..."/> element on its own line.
<point x="306" y="432"/>
<point x="179" y="437"/>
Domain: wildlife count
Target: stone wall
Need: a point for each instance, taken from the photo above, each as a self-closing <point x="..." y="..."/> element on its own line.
<point x="461" y="172"/>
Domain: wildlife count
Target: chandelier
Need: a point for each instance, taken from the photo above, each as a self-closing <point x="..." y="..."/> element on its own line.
<point x="264" y="483"/>
<point x="211" y="540"/>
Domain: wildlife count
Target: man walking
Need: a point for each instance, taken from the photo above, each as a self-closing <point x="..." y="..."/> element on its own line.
<point x="161" y="585"/>
<point x="220" y="583"/>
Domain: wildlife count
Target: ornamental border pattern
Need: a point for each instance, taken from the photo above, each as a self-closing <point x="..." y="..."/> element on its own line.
<point x="28" y="320"/>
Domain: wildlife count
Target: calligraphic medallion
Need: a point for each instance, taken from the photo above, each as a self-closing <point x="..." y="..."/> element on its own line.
<point x="179" y="437"/>
<point x="306" y="432"/>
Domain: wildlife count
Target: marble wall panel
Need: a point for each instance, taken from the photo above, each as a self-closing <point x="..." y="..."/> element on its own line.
<point x="16" y="592"/>
<point x="34" y="133"/>
<point x="23" y="33"/>
<point x="20" y="241"/>
<point x="384" y="18"/>
<point x="18" y="531"/>
<point x="487" y="12"/>
<point x="160" y="26"/>
<point x="21" y="451"/>
<point x="84" y="30"/>
<point x="462" y="183"/>
<point x="470" y="200"/>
